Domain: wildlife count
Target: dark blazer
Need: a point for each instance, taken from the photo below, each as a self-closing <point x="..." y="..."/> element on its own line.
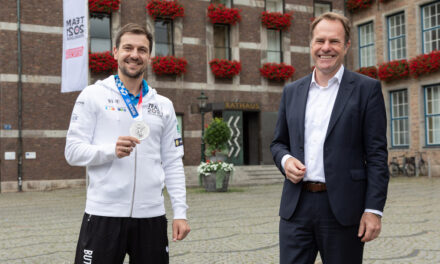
<point x="355" y="147"/>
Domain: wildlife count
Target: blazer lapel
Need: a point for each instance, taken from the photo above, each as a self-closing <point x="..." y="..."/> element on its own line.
<point x="345" y="90"/>
<point x="300" y="102"/>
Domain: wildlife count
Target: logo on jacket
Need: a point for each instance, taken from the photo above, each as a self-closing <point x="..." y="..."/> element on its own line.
<point x="153" y="109"/>
<point x="178" y="142"/>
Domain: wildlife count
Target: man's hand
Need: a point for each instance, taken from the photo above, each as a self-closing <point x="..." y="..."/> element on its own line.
<point x="294" y="169"/>
<point x="180" y="229"/>
<point x="125" y="145"/>
<point x="370" y="227"/>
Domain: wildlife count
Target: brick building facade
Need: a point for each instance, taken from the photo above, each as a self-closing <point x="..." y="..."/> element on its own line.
<point x="403" y="29"/>
<point x="46" y="111"/>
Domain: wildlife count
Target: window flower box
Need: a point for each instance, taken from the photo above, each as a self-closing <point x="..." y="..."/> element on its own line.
<point x="276" y="20"/>
<point x="277" y="71"/>
<point x="368" y="71"/>
<point x="102" y="62"/>
<point x="393" y="70"/>
<point x="165" y="9"/>
<point x="425" y="64"/>
<point x="169" y="65"/>
<point x="356" y="5"/>
<point x="104" y="6"/>
<point x="225" y="68"/>
<point x="223" y="15"/>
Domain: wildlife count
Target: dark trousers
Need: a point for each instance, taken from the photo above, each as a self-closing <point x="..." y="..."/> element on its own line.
<point x="313" y="228"/>
<point x="108" y="239"/>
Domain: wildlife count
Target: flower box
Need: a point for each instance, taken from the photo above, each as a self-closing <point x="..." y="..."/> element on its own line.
<point x="104" y="6"/>
<point x="277" y="71"/>
<point x="425" y="64"/>
<point x="169" y="65"/>
<point x="225" y="68"/>
<point x="368" y="71"/>
<point x="165" y="9"/>
<point x="393" y="70"/>
<point x="102" y="62"/>
<point x="355" y="5"/>
<point x="215" y="176"/>
<point x="276" y="20"/>
<point x="221" y="14"/>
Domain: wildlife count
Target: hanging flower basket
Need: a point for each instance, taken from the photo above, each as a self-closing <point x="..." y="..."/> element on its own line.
<point x="165" y="9"/>
<point x="102" y="62"/>
<point x="169" y="65"/>
<point x="277" y="71"/>
<point x="104" y="6"/>
<point x="393" y="70"/>
<point x="223" y="15"/>
<point x="225" y="68"/>
<point x="276" y="20"/>
<point x="369" y="71"/>
<point x="425" y="64"/>
<point x="356" y="5"/>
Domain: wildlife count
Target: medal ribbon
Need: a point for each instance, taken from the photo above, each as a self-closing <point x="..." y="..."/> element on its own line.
<point x="124" y="93"/>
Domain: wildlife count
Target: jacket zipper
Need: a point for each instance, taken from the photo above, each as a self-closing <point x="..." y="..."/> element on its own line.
<point x="134" y="182"/>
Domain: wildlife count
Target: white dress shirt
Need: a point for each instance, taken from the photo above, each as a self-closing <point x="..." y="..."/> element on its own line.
<point x="320" y="102"/>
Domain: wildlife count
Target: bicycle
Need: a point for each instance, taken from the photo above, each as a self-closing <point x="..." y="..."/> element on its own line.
<point x="407" y="168"/>
<point x="422" y="165"/>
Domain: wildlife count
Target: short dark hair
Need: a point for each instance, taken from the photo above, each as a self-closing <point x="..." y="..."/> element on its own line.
<point x="135" y="29"/>
<point x="333" y="16"/>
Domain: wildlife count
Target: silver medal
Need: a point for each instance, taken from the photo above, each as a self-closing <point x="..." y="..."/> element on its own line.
<point x="139" y="130"/>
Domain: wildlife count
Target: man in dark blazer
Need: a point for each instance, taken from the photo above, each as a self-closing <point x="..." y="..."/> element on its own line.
<point x="330" y="144"/>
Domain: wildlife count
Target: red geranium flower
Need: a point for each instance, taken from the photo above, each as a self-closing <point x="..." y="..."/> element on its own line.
<point x="163" y="8"/>
<point x="393" y="70"/>
<point x="277" y="71"/>
<point x="105" y="6"/>
<point x="221" y="14"/>
<point x="369" y="71"/>
<point x="169" y="65"/>
<point x="425" y="63"/>
<point x="225" y="68"/>
<point x="355" y="5"/>
<point x="102" y="62"/>
<point x="276" y="20"/>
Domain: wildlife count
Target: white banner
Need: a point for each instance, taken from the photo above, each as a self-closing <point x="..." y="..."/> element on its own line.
<point x="75" y="46"/>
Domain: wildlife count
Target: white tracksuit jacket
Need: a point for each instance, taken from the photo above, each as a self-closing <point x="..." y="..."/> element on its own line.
<point x="131" y="186"/>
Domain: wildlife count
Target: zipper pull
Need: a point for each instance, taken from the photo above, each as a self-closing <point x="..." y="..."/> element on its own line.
<point x="88" y="218"/>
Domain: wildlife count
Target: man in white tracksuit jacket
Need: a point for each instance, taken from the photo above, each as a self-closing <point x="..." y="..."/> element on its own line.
<point x="125" y="211"/>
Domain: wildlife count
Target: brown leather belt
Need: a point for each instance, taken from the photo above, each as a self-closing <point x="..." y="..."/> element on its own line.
<point x="314" y="186"/>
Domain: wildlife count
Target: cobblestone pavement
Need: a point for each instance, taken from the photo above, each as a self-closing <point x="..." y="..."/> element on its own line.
<point x="240" y="226"/>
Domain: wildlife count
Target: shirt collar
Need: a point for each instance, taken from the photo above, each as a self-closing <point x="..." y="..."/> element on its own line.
<point x="337" y="77"/>
<point x="144" y="91"/>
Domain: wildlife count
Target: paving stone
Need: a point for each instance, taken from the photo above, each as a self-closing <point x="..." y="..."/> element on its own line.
<point x="240" y="226"/>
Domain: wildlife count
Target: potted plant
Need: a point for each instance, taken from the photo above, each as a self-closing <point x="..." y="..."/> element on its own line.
<point x="214" y="176"/>
<point x="217" y="135"/>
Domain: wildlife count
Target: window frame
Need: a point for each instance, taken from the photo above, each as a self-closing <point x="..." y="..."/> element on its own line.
<point x="231" y="3"/>
<point x="402" y="36"/>
<point x="425" y="105"/>
<point x="283" y="7"/>
<point x="280" y="51"/>
<point x="228" y="45"/>
<point x="172" y="36"/>
<point x="422" y="25"/>
<point x="392" y="118"/>
<point x="321" y="2"/>
<point x="101" y="14"/>
<point x="365" y="46"/>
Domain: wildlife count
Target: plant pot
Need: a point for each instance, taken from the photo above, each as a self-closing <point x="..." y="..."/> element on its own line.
<point x="218" y="157"/>
<point x="210" y="182"/>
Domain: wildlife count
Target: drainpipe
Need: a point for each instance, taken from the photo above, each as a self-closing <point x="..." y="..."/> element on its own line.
<point x="20" y="103"/>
